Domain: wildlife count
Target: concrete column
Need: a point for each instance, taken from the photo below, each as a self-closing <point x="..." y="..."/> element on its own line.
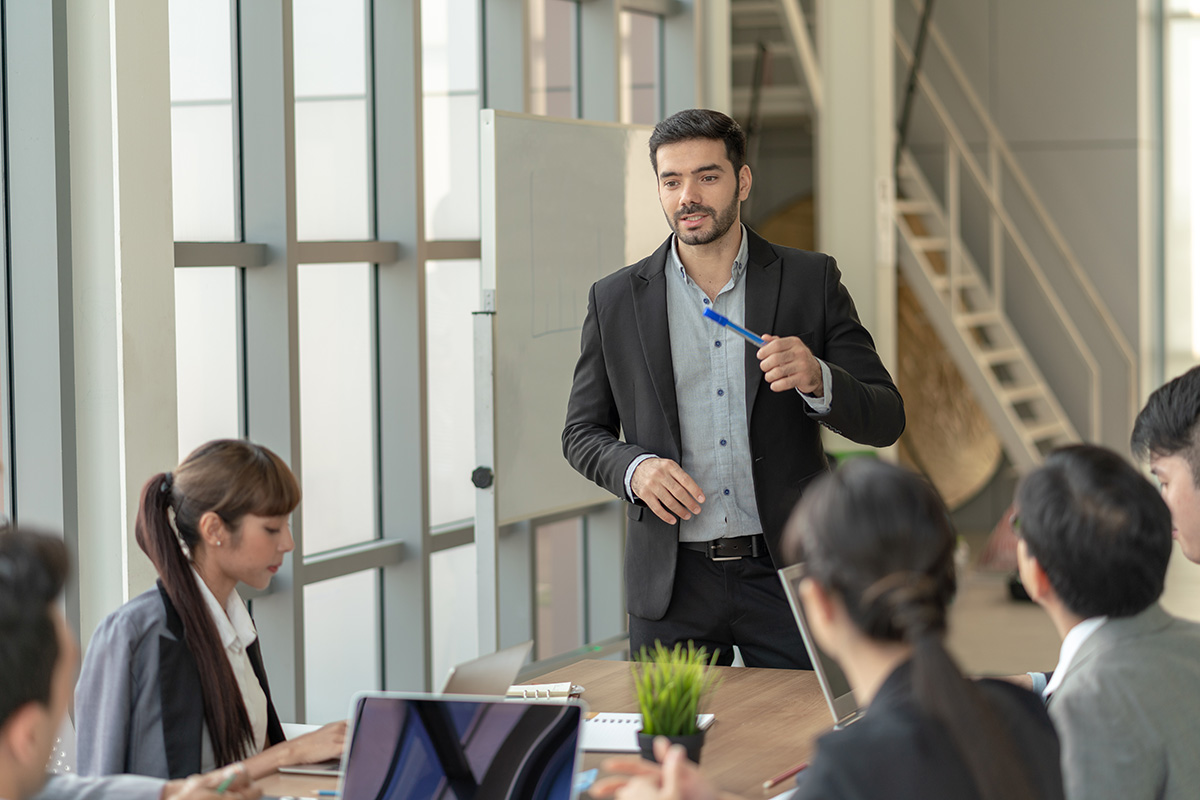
<point x="124" y="286"/>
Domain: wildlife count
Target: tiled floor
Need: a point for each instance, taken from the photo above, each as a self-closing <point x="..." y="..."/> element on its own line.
<point x="993" y="635"/>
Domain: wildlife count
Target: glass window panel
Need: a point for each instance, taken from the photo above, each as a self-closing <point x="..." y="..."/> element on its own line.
<point x="202" y="125"/>
<point x="559" y="587"/>
<point x="332" y="166"/>
<point x="450" y="83"/>
<point x="1182" y="189"/>
<point x="206" y="355"/>
<point x="341" y="643"/>
<point x="451" y="294"/>
<point x="454" y="618"/>
<point x="202" y="172"/>
<point x="639" y="67"/>
<point x="552" y="57"/>
<point x="330" y="47"/>
<point x="337" y="411"/>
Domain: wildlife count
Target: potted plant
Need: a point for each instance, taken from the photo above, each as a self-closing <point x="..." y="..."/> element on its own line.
<point x="670" y="686"/>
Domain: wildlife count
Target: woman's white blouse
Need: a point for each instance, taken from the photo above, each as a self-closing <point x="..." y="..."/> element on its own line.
<point x="237" y="632"/>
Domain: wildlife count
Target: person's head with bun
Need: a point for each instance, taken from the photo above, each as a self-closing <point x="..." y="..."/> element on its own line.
<point x="878" y="548"/>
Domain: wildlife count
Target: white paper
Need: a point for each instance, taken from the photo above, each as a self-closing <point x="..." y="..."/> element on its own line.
<point x="617" y="733"/>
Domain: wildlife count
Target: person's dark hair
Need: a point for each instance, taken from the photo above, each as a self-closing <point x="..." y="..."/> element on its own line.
<point x="33" y="569"/>
<point x="879" y="538"/>
<point x="1169" y="425"/>
<point x="700" y="123"/>
<point x="231" y="478"/>
<point x="1100" y="530"/>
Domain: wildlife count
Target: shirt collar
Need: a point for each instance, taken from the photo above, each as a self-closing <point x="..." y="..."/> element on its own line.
<point x="675" y="264"/>
<point x="233" y="622"/>
<point x="1070" y="647"/>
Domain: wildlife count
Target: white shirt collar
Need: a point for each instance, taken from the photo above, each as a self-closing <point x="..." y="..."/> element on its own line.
<point x="1070" y="647"/>
<point x="234" y="625"/>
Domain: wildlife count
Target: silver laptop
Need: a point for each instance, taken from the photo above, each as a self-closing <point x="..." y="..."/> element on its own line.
<point x="833" y="681"/>
<point x="489" y="675"/>
<point x="403" y="746"/>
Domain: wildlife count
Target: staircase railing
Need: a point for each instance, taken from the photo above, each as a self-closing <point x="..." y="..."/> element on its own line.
<point x="989" y="181"/>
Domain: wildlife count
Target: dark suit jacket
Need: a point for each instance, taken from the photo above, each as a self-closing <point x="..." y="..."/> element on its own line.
<point x="138" y="704"/>
<point x="899" y="752"/>
<point x="624" y="381"/>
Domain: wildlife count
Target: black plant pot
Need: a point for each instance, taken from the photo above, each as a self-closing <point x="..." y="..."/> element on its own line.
<point x="691" y="744"/>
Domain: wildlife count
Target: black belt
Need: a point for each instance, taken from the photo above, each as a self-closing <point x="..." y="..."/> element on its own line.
<point x="730" y="549"/>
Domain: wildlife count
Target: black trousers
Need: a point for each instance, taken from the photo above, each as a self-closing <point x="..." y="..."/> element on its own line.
<point x="718" y="604"/>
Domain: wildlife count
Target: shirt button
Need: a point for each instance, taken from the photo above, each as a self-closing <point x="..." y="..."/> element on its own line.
<point x="706" y="301"/>
<point x="720" y="392"/>
<point x="722" y="443"/>
<point x="718" y="343"/>
<point x="726" y="491"/>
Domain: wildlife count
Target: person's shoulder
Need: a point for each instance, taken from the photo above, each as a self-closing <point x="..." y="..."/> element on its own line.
<point x="134" y="621"/>
<point x="790" y="256"/>
<point x="1013" y="701"/>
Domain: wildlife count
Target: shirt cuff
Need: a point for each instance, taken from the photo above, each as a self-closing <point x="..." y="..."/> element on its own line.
<point x="1039" y="681"/>
<point x="629" y="495"/>
<point x="821" y="404"/>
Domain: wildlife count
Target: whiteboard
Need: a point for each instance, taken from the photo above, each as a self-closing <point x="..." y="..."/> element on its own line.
<point x="564" y="203"/>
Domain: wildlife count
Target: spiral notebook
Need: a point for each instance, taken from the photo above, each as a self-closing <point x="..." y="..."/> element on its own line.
<point x="617" y="733"/>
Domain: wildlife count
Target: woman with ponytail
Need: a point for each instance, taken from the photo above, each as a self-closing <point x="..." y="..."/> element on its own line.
<point x="173" y="681"/>
<point x="878" y="549"/>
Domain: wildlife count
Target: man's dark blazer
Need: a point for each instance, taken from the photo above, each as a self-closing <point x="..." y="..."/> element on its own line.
<point x="624" y="381"/>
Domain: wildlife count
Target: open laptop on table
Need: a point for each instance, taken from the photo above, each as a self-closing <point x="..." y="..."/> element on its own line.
<point x="833" y="681"/>
<point x="403" y="746"/>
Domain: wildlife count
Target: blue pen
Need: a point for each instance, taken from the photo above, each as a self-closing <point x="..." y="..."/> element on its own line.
<point x="752" y="338"/>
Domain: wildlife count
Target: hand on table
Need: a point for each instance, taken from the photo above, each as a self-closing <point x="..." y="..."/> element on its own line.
<point x="324" y="743"/>
<point x="789" y="364"/>
<point x="676" y="779"/>
<point x="204" y="787"/>
<point x="666" y="489"/>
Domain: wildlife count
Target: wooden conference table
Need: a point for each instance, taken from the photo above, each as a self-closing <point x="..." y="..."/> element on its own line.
<point x="766" y="722"/>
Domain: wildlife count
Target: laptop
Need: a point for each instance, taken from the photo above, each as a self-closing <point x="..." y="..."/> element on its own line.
<point x="489" y="675"/>
<point x="834" y="685"/>
<point x="403" y="746"/>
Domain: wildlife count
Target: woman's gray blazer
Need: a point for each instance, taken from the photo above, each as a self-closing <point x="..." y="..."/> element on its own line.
<point x="138" y="705"/>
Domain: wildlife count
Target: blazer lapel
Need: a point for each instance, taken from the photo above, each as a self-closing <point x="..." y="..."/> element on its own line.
<point x="274" y="729"/>
<point x="650" y="311"/>
<point x="763" y="274"/>
<point x="181" y="697"/>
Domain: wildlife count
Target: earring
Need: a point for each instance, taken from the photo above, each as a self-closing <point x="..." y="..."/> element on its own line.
<point x="219" y="543"/>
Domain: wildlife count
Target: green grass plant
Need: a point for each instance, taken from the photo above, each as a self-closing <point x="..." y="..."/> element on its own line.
<point x="671" y="685"/>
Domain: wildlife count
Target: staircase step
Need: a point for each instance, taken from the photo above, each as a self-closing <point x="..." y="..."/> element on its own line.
<point x="977" y="319"/>
<point x="1046" y="430"/>
<point x="964" y="280"/>
<point x="913" y="207"/>
<point x="1022" y="394"/>
<point x="930" y="244"/>
<point x="1002" y="355"/>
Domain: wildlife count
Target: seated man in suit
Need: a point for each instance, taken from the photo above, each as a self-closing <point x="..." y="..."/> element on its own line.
<point x="1167" y="434"/>
<point x="38" y="659"/>
<point x="1094" y="541"/>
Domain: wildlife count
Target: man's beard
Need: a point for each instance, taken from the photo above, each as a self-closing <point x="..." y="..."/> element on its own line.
<point x="721" y="222"/>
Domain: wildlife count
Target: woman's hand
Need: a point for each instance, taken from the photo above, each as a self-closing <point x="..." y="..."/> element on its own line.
<point x="676" y="778"/>
<point x="234" y="778"/>
<point x="324" y="743"/>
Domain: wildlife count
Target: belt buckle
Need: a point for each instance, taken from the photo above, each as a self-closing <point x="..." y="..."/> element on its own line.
<point x="712" y="549"/>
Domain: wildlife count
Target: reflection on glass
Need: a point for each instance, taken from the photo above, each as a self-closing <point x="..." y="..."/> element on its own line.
<point x="332" y="136"/>
<point x="450" y="86"/>
<point x="451" y="294"/>
<point x="206" y="355"/>
<point x="454" y="618"/>
<point x="337" y="415"/>
<point x="559" y="587"/>
<point x="341" y="643"/>
<point x="202" y="124"/>
<point x="639" y="67"/>
<point x="552" y="58"/>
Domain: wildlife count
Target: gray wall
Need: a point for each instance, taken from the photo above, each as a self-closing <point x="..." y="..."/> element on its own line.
<point x="1060" y="81"/>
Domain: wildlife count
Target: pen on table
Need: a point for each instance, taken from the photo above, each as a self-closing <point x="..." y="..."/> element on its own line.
<point x="752" y="338"/>
<point x="783" y="776"/>
<point x="327" y="793"/>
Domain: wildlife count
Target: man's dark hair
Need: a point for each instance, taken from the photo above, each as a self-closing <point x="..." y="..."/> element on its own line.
<point x="1167" y="426"/>
<point x="33" y="568"/>
<point x="700" y="123"/>
<point x="1099" y="530"/>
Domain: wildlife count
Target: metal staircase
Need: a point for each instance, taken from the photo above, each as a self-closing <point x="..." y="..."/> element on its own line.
<point x="963" y="301"/>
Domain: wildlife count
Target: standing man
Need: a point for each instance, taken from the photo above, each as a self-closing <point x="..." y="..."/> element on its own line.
<point x="720" y="438"/>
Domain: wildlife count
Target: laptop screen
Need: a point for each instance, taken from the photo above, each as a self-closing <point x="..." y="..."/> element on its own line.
<point x="833" y="681"/>
<point x="453" y="749"/>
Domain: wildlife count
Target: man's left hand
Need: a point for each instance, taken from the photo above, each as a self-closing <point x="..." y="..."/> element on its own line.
<point x="789" y="364"/>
